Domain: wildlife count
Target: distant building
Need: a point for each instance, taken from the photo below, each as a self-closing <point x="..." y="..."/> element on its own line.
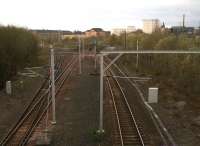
<point x="130" y="29"/>
<point x="118" y="31"/>
<point x="56" y="35"/>
<point x="96" y="32"/>
<point x="181" y="29"/>
<point x="50" y="34"/>
<point x="151" y="25"/>
<point x="197" y="30"/>
<point x="74" y="34"/>
<point x="184" y="28"/>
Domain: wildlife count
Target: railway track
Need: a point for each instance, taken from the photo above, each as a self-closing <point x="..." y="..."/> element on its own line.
<point x="165" y="138"/>
<point x="22" y="131"/>
<point x="129" y="131"/>
<point x="159" y="131"/>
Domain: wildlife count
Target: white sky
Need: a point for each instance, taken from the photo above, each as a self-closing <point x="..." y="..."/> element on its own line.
<point x="84" y="14"/>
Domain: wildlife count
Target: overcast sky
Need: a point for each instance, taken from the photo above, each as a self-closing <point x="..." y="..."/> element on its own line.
<point x="84" y="14"/>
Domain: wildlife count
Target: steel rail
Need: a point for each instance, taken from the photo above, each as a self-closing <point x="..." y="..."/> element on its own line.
<point x="34" y="123"/>
<point x="25" y="114"/>
<point x="116" y="112"/>
<point x="65" y="68"/>
<point x="130" y="111"/>
<point x="157" y="122"/>
<point x="149" y="108"/>
<point x="128" y="106"/>
<point x="27" y="135"/>
<point x="25" y="140"/>
<point x="13" y="129"/>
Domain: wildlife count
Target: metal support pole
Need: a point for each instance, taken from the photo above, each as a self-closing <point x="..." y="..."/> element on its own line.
<point x="125" y="38"/>
<point x="53" y="87"/>
<point x="101" y="94"/>
<point x="83" y="44"/>
<point x="112" y="62"/>
<point x="137" y="55"/>
<point x="95" y="55"/>
<point x="47" y="115"/>
<point x="79" y="49"/>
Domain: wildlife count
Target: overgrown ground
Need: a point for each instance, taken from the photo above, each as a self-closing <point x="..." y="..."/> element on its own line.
<point x="178" y="110"/>
<point x="180" y="114"/>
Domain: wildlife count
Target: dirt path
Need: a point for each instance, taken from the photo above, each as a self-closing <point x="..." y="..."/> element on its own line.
<point x="77" y="109"/>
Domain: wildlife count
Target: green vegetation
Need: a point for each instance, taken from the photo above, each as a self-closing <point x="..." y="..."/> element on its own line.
<point x="18" y="49"/>
<point x="178" y="72"/>
<point x="89" y="43"/>
<point x="69" y="43"/>
<point x="97" y="136"/>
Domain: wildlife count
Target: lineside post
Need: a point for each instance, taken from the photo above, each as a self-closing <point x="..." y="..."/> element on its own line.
<point x="53" y="87"/>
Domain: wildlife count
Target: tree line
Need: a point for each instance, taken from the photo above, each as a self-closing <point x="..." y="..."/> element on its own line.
<point x="18" y="49"/>
<point x="181" y="72"/>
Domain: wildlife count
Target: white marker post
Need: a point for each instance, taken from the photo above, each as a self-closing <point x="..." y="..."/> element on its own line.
<point x="53" y="87"/>
<point x="153" y="95"/>
<point x="8" y="88"/>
